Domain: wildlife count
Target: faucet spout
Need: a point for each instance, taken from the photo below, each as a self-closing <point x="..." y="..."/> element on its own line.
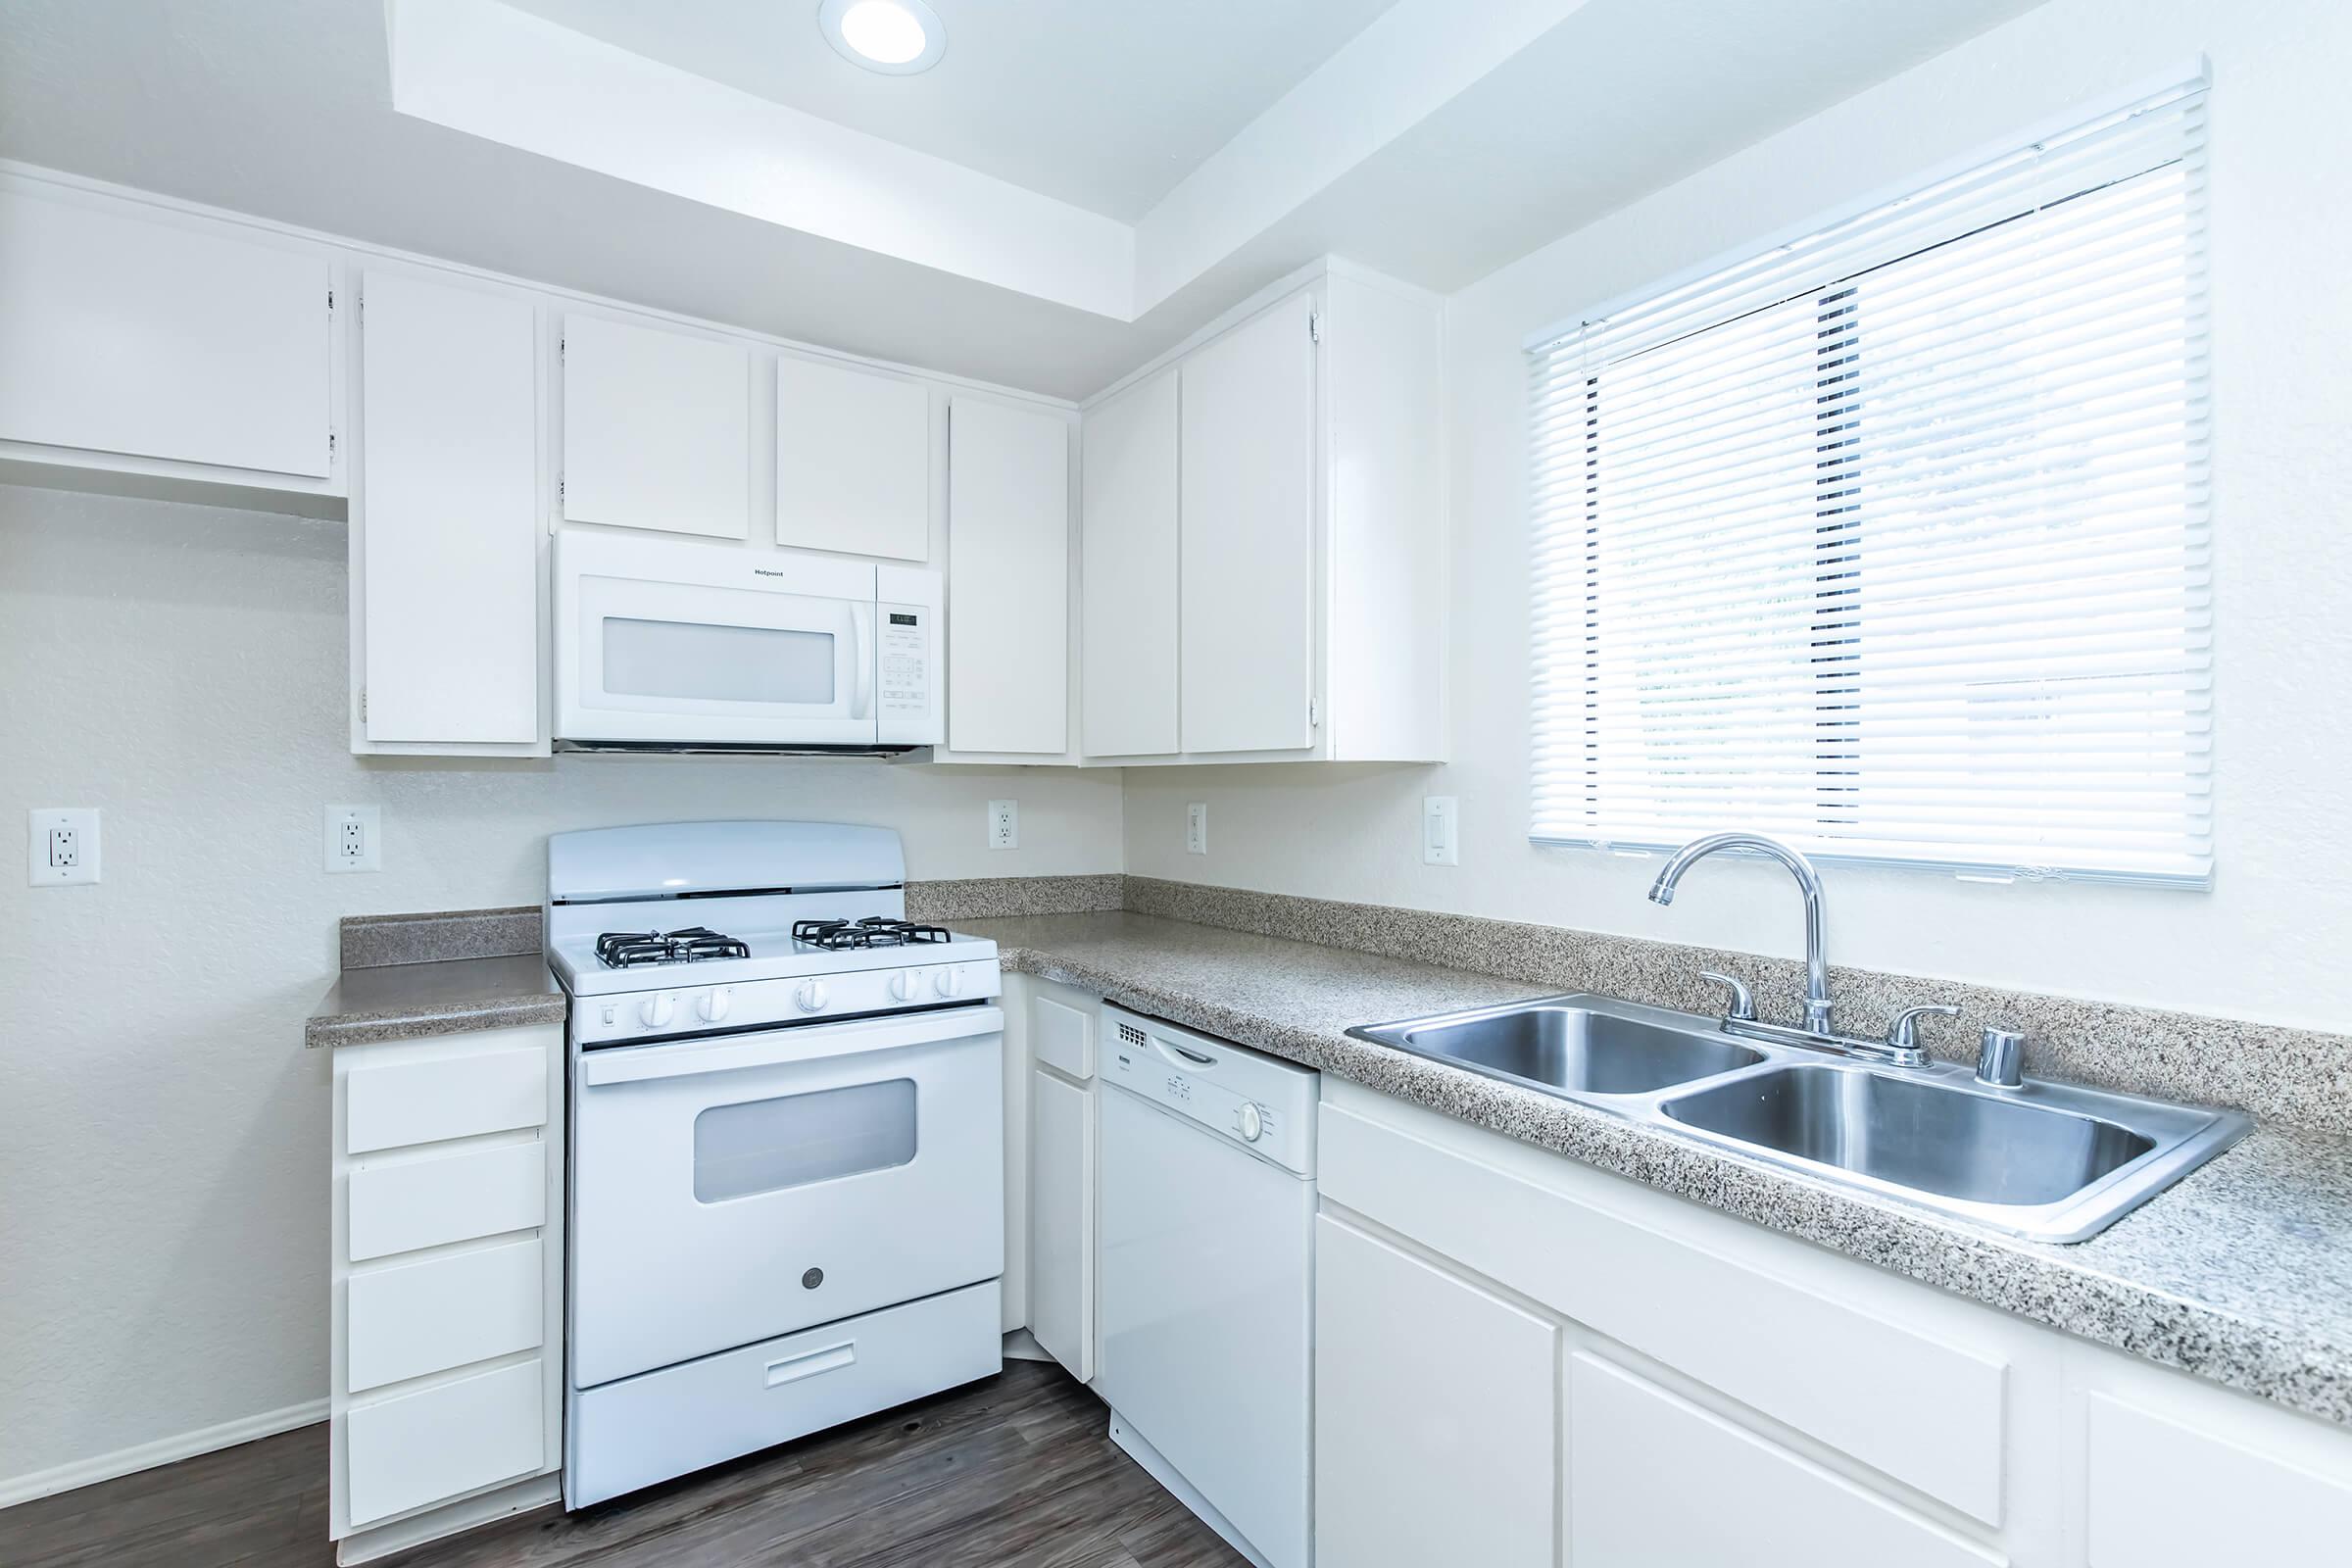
<point x="1808" y="882"/>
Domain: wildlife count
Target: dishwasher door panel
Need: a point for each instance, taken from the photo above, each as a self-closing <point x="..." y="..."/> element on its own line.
<point x="1206" y="1313"/>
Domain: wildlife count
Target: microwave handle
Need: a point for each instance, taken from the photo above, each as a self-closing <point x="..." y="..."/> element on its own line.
<point x="861" y="638"/>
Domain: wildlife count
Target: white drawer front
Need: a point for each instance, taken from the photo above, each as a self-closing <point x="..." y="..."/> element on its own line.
<point x="415" y="1318"/>
<point x="410" y="1205"/>
<point x="1666" y="1298"/>
<point x="1635" y="1450"/>
<point x="448" y="1097"/>
<point x="2166" y="1495"/>
<point x="1063" y="1038"/>
<point x="417" y="1449"/>
<point x="741" y="1401"/>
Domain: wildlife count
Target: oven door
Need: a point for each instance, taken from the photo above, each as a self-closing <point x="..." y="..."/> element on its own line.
<point x="729" y="1189"/>
<point x="658" y="641"/>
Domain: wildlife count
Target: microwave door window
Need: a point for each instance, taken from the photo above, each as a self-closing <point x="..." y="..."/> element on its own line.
<point x="720" y="663"/>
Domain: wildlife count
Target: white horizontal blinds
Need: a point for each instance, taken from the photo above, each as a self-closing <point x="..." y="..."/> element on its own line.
<point x="1893" y="540"/>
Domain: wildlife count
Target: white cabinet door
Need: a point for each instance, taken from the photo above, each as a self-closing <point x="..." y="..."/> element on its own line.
<point x="853" y="460"/>
<point x="1062" y="1220"/>
<point x="1248" y="505"/>
<point x="2163" y="1495"/>
<point x="1008" y="551"/>
<point x="1437" y="1415"/>
<point x="447" y="534"/>
<point x="151" y="339"/>
<point x="1635" y="1449"/>
<point x="657" y="429"/>
<point x="1128" y="564"/>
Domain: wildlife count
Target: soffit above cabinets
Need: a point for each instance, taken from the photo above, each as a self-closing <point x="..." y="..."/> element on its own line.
<point x="1072" y="189"/>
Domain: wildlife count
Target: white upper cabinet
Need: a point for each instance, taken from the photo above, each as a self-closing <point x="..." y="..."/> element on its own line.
<point x="853" y="460"/>
<point x="657" y="429"/>
<point x="149" y="338"/>
<point x="1127" y="567"/>
<point x="1247" y="536"/>
<point x="1263" y="539"/>
<point x="1009" y="551"/>
<point x="445" y="530"/>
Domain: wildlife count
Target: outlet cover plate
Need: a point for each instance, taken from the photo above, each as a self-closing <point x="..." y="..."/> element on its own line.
<point x="61" y="844"/>
<point x="1195" y="827"/>
<point x="1003" y="824"/>
<point x="1440" y="838"/>
<point x="354" y="838"/>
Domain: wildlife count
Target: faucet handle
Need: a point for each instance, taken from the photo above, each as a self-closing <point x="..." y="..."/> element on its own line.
<point x="1743" y="1006"/>
<point x="1903" y="1033"/>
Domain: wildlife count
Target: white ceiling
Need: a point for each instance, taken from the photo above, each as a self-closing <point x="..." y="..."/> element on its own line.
<point x="1462" y="154"/>
<point x="1104" y="104"/>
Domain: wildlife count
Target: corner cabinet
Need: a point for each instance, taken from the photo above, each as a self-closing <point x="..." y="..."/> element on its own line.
<point x="1262" y="540"/>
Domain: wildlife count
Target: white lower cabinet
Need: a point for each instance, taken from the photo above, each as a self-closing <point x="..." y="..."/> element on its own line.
<point x="1523" y="1359"/>
<point x="1060" y="1031"/>
<point x="447" y="1282"/>
<point x="1436" y="1414"/>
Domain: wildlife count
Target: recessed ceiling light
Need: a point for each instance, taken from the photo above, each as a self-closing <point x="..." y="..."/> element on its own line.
<point x="896" y="37"/>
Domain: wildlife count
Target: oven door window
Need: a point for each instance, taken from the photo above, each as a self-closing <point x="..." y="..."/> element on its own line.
<point x="766" y="1146"/>
<point x="718" y="662"/>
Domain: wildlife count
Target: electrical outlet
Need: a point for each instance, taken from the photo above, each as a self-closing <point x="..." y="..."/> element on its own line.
<point x="1441" y="843"/>
<point x="354" y="838"/>
<point x="1003" y="824"/>
<point x="1195" y="827"/>
<point x="62" y="845"/>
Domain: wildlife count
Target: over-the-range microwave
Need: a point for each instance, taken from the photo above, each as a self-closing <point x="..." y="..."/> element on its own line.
<point x="669" y="645"/>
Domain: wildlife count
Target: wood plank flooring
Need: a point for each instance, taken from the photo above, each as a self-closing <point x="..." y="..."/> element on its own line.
<point x="1015" y="1472"/>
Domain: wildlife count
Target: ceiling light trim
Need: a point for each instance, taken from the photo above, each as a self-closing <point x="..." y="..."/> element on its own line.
<point x="835" y="21"/>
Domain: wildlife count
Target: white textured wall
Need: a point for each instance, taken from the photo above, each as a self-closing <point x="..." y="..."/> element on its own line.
<point x="2269" y="940"/>
<point x="163" y="1132"/>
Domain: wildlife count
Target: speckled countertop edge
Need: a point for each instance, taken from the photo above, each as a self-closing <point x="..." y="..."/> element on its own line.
<point x="2147" y="1287"/>
<point x="444" y="997"/>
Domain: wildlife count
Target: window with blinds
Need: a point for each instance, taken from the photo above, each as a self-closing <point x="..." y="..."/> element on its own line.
<point x="1890" y="538"/>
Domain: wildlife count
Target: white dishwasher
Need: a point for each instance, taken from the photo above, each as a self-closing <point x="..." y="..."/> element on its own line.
<point x="1205" y="1303"/>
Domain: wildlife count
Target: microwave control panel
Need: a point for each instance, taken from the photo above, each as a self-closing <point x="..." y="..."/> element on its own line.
<point x="902" y="680"/>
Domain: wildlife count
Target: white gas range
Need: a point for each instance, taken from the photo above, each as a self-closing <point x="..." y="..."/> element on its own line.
<point x="787" y="1141"/>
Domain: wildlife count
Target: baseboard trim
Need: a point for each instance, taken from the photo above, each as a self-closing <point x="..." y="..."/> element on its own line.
<point x="163" y="1450"/>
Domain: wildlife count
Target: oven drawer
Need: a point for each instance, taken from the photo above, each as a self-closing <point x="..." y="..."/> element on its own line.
<point x="738" y="1402"/>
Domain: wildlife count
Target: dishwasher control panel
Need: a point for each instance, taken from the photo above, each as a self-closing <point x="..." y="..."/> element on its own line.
<point x="1259" y="1103"/>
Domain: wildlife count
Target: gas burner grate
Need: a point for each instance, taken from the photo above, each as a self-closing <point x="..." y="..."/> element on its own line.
<point x="874" y="931"/>
<point x="626" y="950"/>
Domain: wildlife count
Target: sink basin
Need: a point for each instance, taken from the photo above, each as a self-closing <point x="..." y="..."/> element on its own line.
<point x="1556" y="1047"/>
<point x="1922" y="1133"/>
<point x="2047" y="1161"/>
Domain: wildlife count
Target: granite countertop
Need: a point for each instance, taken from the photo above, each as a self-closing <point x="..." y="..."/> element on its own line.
<point x="449" y="995"/>
<point x="2242" y="1273"/>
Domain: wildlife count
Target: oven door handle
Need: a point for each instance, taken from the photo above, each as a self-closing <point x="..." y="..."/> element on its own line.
<point x="780" y="1047"/>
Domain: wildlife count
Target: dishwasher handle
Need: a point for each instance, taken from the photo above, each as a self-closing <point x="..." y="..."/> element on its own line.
<point x="1179" y="1056"/>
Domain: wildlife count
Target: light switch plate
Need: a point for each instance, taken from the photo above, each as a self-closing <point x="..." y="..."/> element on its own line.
<point x="1003" y="824"/>
<point x="1195" y="827"/>
<point x="354" y="838"/>
<point x="1441" y="837"/>
<point x="61" y="844"/>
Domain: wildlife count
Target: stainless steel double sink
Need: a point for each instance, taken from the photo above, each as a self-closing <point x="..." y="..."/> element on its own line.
<point x="2043" y="1160"/>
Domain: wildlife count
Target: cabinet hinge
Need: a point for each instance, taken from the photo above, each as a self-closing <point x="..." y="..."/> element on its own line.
<point x="1314" y="327"/>
<point x="1314" y="712"/>
<point x="558" y="489"/>
<point x="562" y="349"/>
<point x="330" y="302"/>
<point x="362" y="705"/>
<point x="330" y="446"/>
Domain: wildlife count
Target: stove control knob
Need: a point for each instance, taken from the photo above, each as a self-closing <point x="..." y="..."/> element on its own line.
<point x="810" y="995"/>
<point x="657" y="1010"/>
<point x="1249" y="1123"/>
<point x="904" y="984"/>
<point x="948" y="981"/>
<point x="714" y="1005"/>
